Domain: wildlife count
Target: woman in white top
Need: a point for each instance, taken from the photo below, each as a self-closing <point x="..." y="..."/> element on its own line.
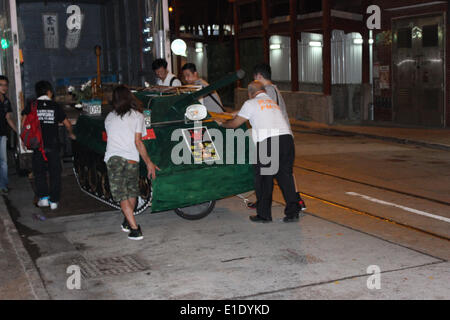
<point x="125" y="128"/>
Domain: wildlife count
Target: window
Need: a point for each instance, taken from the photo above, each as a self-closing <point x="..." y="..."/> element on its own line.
<point x="430" y="36"/>
<point x="404" y="38"/>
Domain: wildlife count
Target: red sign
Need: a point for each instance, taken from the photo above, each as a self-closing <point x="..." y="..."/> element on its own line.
<point x="150" y="135"/>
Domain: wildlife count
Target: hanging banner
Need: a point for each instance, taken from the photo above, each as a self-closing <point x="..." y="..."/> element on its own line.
<point x="50" y="23"/>
<point x="74" y="24"/>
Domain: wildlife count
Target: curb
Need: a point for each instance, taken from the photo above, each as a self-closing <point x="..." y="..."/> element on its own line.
<point x="30" y="270"/>
<point x="374" y="136"/>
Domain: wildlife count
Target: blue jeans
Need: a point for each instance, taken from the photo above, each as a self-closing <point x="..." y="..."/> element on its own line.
<point x="3" y="163"/>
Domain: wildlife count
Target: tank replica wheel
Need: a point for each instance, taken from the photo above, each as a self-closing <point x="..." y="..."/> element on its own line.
<point x="196" y="212"/>
<point x="145" y="198"/>
<point x="92" y="179"/>
<point x="80" y="167"/>
<point x="106" y="192"/>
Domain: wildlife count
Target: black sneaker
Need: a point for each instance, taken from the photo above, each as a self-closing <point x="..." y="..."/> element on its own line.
<point x="301" y="203"/>
<point x="5" y="190"/>
<point x="135" y="234"/>
<point x="125" y="225"/>
<point x="259" y="219"/>
<point x="251" y="205"/>
<point x="291" y="219"/>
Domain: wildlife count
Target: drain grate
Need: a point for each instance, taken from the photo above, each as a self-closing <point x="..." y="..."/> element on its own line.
<point x="295" y="257"/>
<point x="108" y="266"/>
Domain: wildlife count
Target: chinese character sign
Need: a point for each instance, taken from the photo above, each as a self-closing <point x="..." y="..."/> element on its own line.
<point x="50" y="23"/>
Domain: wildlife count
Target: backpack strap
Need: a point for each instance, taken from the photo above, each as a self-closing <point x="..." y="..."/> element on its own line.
<point x="215" y="100"/>
<point x="34" y="106"/>
<point x="172" y="80"/>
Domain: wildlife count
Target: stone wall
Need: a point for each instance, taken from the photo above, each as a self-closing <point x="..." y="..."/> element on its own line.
<point x="300" y="105"/>
<point x="347" y="98"/>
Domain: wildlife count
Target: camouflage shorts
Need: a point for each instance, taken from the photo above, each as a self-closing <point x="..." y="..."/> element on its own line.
<point x="123" y="178"/>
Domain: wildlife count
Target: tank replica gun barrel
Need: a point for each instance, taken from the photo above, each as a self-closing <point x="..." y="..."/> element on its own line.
<point x="226" y="80"/>
<point x="175" y="111"/>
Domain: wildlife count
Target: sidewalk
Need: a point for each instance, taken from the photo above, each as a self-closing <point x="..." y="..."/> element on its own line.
<point x="19" y="278"/>
<point x="430" y="138"/>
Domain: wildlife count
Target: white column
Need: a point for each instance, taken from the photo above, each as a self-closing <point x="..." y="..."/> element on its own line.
<point x="167" y="52"/>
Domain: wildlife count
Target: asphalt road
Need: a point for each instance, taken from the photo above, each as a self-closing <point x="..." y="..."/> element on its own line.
<point x="370" y="203"/>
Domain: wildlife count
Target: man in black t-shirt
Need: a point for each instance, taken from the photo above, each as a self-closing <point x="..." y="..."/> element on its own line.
<point x="5" y="119"/>
<point x="50" y="114"/>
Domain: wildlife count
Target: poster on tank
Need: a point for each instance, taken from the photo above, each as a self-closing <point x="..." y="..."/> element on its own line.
<point x="200" y="144"/>
<point x="50" y="24"/>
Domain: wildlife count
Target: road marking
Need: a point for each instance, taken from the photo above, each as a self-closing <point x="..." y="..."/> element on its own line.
<point x="422" y="213"/>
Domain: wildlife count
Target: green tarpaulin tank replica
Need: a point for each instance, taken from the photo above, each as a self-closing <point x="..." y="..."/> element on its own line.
<point x="190" y="188"/>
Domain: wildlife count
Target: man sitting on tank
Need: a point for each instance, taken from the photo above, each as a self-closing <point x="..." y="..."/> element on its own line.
<point x="164" y="77"/>
<point x="211" y="101"/>
<point x="125" y="128"/>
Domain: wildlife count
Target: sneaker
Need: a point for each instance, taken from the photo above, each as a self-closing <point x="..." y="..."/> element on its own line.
<point x="4" y="190"/>
<point x="43" y="202"/>
<point x="53" y="205"/>
<point x="301" y="202"/>
<point x="293" y="218"/>
<point x="135" y="234"/>
<point x="259" y="219"/>
<point x="251" y="205"/>
<point x="125" y="225"/>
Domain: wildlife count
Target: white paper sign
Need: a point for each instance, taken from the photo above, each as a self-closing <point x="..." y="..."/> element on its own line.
<point x="50" y="23"/>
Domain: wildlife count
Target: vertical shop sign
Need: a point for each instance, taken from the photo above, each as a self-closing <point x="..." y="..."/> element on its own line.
<point x="50" y="23"/>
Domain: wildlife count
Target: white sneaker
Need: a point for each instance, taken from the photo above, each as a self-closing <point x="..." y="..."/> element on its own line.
<point x="43" y="202"/>
<point x="53" y="205"/>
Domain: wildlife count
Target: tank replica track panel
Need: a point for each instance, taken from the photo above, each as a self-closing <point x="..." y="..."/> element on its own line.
<point x="92" y="178"/>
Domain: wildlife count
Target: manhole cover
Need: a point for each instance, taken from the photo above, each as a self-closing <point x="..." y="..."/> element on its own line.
<point x="108" y="266"/>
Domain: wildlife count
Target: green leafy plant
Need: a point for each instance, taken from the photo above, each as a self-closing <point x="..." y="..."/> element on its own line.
<point x="81" y="93"/>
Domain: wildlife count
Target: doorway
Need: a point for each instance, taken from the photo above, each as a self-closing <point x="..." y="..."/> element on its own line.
<point x="418" y="64"/>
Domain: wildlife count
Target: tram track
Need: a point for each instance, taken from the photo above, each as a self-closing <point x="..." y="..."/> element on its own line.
<point x="354" y="210"/>
<point x="349" y="134"/>
<point x="373" y="185"/>
<point x="365" y="213"/>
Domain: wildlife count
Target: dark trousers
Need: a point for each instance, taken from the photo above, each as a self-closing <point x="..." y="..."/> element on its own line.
<point x="40" y="169"/>
<point x="264" y="183"/>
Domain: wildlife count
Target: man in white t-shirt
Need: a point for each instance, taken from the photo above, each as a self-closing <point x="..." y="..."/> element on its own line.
<point x="269" y="128"/>
<point x="164" y="77"/>
<point x="263" y="73"/>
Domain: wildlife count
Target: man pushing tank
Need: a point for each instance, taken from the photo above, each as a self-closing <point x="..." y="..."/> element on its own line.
<point x="269" y="128"/>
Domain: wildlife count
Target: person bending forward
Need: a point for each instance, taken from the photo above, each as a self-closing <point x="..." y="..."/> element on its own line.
<point x="269" y="127"/>
<point x="125" y="128"/>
